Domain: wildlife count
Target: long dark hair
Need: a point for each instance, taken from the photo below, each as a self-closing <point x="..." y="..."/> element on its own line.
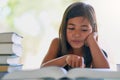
<point x="75" y="10"/>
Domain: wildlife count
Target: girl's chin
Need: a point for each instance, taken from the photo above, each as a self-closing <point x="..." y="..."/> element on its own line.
<point x="77" y="46"/>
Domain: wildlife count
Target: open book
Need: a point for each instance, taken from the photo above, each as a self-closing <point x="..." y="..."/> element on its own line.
<point x="58" y="73"/>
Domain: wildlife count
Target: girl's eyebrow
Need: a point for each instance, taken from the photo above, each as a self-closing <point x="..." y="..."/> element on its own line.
<point x="71" y="24"/>
<point x="84" y="26"/>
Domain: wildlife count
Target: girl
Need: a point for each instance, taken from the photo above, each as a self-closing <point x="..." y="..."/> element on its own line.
<point x="77" y="45"/>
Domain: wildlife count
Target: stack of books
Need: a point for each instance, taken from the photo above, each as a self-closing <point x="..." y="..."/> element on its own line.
<point x="10" y="52"/>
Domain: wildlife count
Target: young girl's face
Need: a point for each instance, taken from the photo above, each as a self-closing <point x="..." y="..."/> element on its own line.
<point x="78" y="29"/>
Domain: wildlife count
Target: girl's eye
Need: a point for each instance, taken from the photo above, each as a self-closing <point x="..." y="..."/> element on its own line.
<point x="70" y="28"/>
<point x="84" y="30"/>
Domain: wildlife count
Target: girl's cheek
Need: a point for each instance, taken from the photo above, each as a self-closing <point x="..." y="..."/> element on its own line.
<point x="86" y="36"/>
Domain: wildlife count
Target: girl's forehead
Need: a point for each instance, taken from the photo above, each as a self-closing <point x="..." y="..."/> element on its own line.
<point x="79" y="19"/>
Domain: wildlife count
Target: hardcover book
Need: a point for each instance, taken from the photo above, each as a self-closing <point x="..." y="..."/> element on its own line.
<point x="10" y="37"/>
<point x="10" y="49"/>
<point x="13" y="59"/>
<point x="10" y="68"/>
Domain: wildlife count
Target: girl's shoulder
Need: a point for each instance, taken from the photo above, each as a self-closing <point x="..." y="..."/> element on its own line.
<point x="55" y="41"/>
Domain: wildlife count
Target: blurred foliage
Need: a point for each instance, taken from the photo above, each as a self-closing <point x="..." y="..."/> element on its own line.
<point x="18" y="7"/>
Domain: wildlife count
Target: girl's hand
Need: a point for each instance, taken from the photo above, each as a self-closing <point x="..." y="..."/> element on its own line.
<point x="91" y="37"/>
<point x="75" y="61"/>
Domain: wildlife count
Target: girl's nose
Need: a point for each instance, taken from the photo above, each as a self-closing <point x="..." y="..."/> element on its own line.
<point x="77" y="33"/>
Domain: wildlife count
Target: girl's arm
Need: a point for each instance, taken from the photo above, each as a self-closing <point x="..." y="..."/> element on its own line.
<point x="50" y="58"/>
<point x="98" y="57"/>
<point x="70" y="59"/>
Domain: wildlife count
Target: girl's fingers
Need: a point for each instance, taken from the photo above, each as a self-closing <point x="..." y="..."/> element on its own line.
<point x="75" y="61"/>
<point x="69" y="60"/>
<point x="82" y="62"/>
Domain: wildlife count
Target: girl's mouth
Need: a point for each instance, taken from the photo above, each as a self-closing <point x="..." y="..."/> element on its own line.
<point x="76" y="41"/>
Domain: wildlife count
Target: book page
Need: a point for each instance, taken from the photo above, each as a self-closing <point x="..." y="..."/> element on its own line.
<point x="92" y="73"/>
<point x="45" y="72"/>
<point x="53" y="72"/>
